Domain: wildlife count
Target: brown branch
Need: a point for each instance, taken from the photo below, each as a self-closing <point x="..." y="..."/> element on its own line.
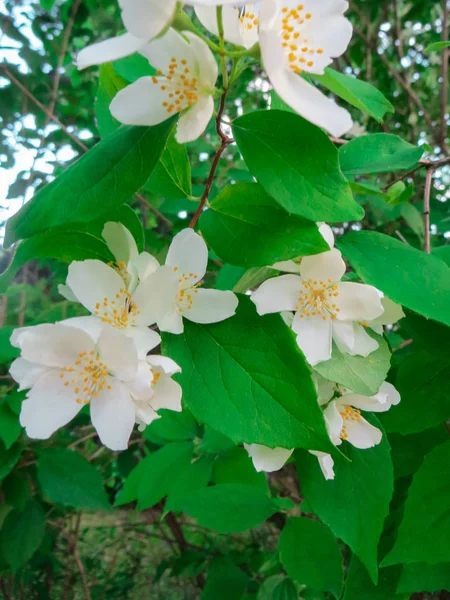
<point x="178" y="535"/>
<point x="444" y="75"/>
<point x="225" y="142"/>
<point x="398" y="30"/>
<point x="426" y="209"/>
<point x="3" y="309"/>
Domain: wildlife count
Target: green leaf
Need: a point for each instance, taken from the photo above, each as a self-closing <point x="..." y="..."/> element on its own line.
<point x="252" y="278"/>
<point x="296" y="164"/>
<point x="225" y="581"/>
<point x="100" y="181"/>
<point x="10" y="427"/>
<point x="235" y="466"/>
<point x="244" y="216"/>
<point x="425" y="529"/>
<point x="214" y="442"/>
<point x="420" y="577"/>
<point x="437" y="47"/>
<point x="442" y="252"/>
<point x="408" y="451"/>
<point x="7" y="352"/>
<point x="408" y="276"/>
<point x="194" y="476"/>
<point x="153" y="477"/>
<point x="358" y="93"/>
<point x="109" y="84"/>
<point x="171" y="177"/>
<point x="358" y="584"/>
<point x="246" y="378"/>
<point x="378" y="153"/>
<point x="359" y="374"/>
<point x="229" y="507"/>
<point x="310" y="554"/>
<point x="414" y="219"/>
<point x="67" y="478"/>
<point x="355" y="504"/>
<point x="8" y="459"/>
<point x="17" y="490"/>
<point x="133" y="67"/>
<point x="22" y="534"/>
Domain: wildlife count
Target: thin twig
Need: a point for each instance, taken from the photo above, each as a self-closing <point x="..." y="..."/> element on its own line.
<point x="83" y="439"/>
<point x="178" y="534"/>
<point x="402" y="237"/>
<point x="3" y="309"/>
<point x="426" y="210"/>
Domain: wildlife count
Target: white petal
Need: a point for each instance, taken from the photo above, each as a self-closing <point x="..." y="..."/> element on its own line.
<point x="288" y="318"/>
<point x="109" y="50"/>
<point x="330" y="30"/>
<point x="194" y="120"/>
<point x="392" y="313"/>
<point x="168" y="365"/>
<point x="145" y="264"/>
<point x="325" y="266"/>
<point x="358" y="301"/>
<point x="207" y="66"/>
<point x="91" y="325"/>
<point x="327" y="233"/>
<point x="155" y="296"/>
<point x="140" y="387"/>
<point x="207" y="16"/>
<point x="120" y="241"/>
<point x="325" y="388"/>
<point x="145" y="340"/>
<point x="211" y="306"/>
<point x="362" y="434"/>
<point x="119" y="353"/>
<point x="67" y="293"/>
<point x="26" y="373"/>
<point x="277" y="294"/>
<point x="188" y="256"/>
<point x="91" y="281"/>
<point x="171" y="45"/>
<point x="113" y="415"/>
<point x="141" y="103"/>
<point x="267" y="459"/>
<point x="326" y="463"/>
<point x="172" y="322"/>
<point x="334" y="422"/>
<point x="147" y="18"/>
<point x="288" y="266"/>
<point x="344" y="335"/>
<point x="313" y="337"/>
<point x="167" y="394"/>
<point x="393" y="397"/>
<point x="49" y="406"/>
<point x="364" y="344"/>
<point x="54" y="345"/>
<point x="382" y="401"/>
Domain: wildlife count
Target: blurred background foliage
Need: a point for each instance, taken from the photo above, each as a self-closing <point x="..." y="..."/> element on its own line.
<point x="47" y="120"/>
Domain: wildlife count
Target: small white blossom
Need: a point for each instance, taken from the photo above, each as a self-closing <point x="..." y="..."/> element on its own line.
<point x="66" y="369"/>
<point x="325" y="308"/>
<point x="185" y="81"/>
<point x="267" y="459"/>
<point x="304" y="37"/>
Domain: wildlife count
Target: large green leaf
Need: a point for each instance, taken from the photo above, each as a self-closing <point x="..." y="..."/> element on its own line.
<point x="246" y="378"/>
<point x="378" y="153"/>
<point x="359" y="586"/>
<point x="408" y="276"/>
<point x="22" y="534"/>
<point x="355" y="503"/>
<point x="68" y="478"/>
<point x="229" y="507"/>
<point x="244" y="216"/>
<point x="171" y="177"/>
<point x="109" y="84"/>
<point x="225" y="581"/>
<point x="10" y="427"/>
<point x="7" y="352"/>
<point x="356" y="92"/>
<point x="235" y="466"/>
<point x="194" y="476"/>
<point x="310" y="554"/>
<point x="359" y="374"/>
<point x="296" y="164"/>
<point x="8" y="458"/>
<point x="425" y="529"/>
<point x="418" y="577"/>
<point x="100" y="181"/>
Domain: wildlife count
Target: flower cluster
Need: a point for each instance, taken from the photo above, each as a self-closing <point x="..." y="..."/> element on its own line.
<point x="321" y="309"/>
<point x="103" y="359"/>
<point x="294" y="38"/>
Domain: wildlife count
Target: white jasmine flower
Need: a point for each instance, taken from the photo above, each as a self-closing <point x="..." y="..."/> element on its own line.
<point x="267" y="459"/>
<point x="293" y="266"/>
<point x="187" y="73"/>
<point x="144" y="20"/>
<point x="181" y="294"/>
<point x="325" y="307"/>
<point x="240" y="25"/>
<point x="304" y="37"/>
<point x="66" y="369"/>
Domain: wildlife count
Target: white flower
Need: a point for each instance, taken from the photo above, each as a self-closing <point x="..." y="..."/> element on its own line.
<point x="187" y="74"/>
<point x="240" y="25"/>
<point x="267" y="459"/>
<point x="297" y="37"/>
<point x="144" y="20"/>
<point x="66" y="369"/>
<point x="101" y="289"/>
<point x="293" y="266"/>
<point x="325" y="307"/>
<point x="326" y="464"/>
<point x="181" y="295"/>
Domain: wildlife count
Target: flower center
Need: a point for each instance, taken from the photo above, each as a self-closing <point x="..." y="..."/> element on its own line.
<point x="180" y="89"/>
<point x="348" y="414"/>
<point x="121" y="269"/>
<point x="119" y="312"/>
<point x="316" y="299"/>
<point x="87" y="376"/>
<point x="249" y="21"/>
<point x="296" y="39"/>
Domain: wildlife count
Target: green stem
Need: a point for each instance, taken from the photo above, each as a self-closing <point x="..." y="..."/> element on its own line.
<point x="223" y="58"/>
